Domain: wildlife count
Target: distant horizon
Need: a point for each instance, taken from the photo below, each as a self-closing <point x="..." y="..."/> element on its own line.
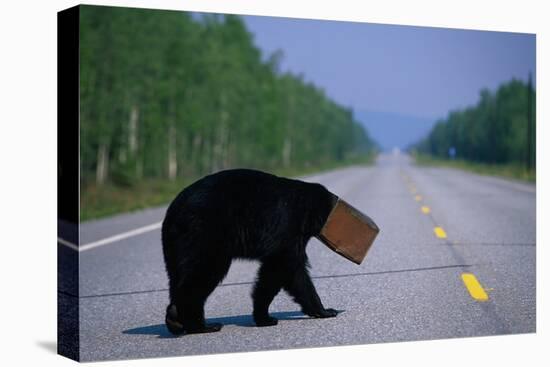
<point x="381" y="125"/>
<point x="378" y="133"/>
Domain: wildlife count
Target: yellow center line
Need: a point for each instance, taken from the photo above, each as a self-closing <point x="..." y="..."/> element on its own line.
<point x="474" y="288"/>
<point x="425" y="209"/>
<point x="418" y="198"/>
<point x="439" y="232"/>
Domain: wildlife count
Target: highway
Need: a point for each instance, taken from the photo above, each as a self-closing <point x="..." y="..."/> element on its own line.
<point x="455" y="257"/>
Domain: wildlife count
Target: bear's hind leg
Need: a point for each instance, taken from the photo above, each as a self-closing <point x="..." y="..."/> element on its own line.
<point x="191" y="318"/>
<point x="171" y="320"/>
<point x="191" y="297"/>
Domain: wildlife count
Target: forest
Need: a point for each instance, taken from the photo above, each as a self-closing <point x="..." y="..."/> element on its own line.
<point x="499" y="129"/>
<point x="173" y="95"/>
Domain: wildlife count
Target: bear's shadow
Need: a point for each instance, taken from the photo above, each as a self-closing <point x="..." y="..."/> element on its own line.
<point x="240" y="320"/>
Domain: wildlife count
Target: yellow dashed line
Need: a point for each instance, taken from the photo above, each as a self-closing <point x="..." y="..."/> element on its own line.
<point x="418" y="198"/>
<point x="472" y="285"/>
<point x="439" y="232"/>
<point x="425" y="209"/>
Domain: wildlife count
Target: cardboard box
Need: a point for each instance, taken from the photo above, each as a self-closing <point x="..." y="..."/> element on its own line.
<point x="348" y="232"/>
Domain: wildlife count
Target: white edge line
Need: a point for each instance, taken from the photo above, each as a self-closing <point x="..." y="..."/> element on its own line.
<point x="70" y="245"/>
<point x="108" y="240"/>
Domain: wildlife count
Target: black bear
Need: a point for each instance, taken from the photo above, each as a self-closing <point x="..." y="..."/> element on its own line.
<point x="249" y="214"/>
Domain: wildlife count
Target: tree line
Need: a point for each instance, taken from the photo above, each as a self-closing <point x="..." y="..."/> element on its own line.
<point x="499" y="129"/>
<point x="168" y="94"/>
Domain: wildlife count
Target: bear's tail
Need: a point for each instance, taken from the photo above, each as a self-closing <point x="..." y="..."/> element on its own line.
<point x="172" y="323"/>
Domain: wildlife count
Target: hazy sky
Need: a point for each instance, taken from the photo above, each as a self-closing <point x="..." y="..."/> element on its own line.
<point x="417" y="71"/>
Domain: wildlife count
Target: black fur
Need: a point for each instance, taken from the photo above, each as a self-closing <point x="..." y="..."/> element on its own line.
<point x="241" y="214"/>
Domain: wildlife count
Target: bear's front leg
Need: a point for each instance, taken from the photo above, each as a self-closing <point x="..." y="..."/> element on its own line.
<point x="268" y="284"/>
<point x="301" y="288"/>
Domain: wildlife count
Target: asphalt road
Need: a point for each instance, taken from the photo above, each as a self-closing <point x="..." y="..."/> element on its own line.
<point x="409" y="287"/>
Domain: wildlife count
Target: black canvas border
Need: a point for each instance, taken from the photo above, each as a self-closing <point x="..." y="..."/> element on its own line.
<point x="68" y="124"/>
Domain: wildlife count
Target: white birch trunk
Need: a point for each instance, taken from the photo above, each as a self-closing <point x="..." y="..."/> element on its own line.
<point x="102" y="164"/>
<point x="287" y="151"/>
<point x="172" y="161"/>
<point x="132" y="130"/>
<point x="220" y="148"/>
<point x="287" y="144"/>
<point x="195" y="153"/>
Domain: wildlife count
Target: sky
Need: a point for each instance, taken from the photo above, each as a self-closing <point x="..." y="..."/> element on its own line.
<point x="398" y="79"/>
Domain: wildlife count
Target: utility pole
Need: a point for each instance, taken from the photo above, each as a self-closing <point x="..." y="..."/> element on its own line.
<point x="529" y="123"/>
